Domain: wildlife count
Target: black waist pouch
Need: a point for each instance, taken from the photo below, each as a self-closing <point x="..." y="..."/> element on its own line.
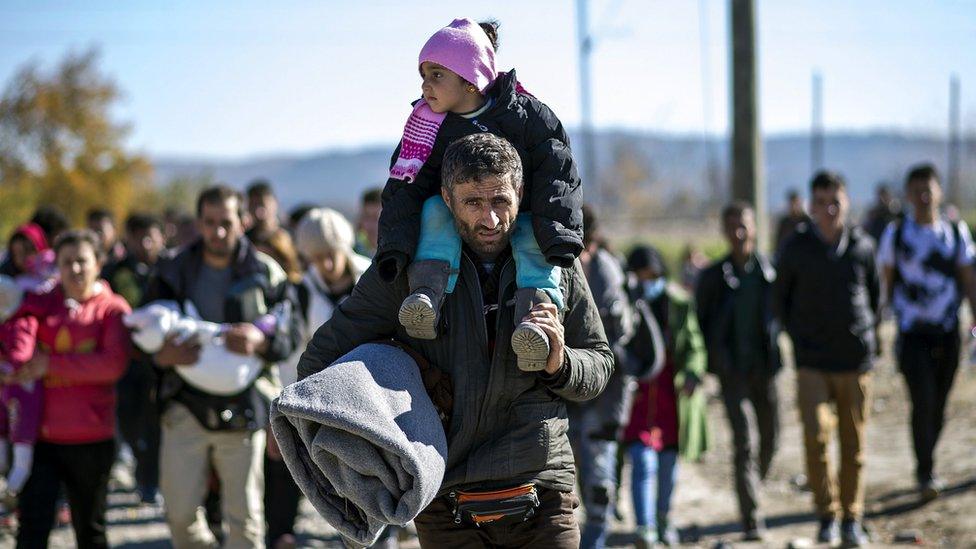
<point x="483" y="507"/>
<point x="248" y="410"/>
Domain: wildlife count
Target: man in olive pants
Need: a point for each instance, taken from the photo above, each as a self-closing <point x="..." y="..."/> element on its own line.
<point x="828" y="293"/>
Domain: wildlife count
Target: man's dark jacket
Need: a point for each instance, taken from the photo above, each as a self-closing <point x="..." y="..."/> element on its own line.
<point x="552" y="185"/>
<point x="714" y="299"/>
<point x="258" y="286"/>
<point x="508" y="426"/>
<point x="827" y="298"/>
<point x="129" y="278"/>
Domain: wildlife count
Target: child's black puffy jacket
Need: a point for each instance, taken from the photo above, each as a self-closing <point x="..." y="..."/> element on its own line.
<point x="551" y="191"/>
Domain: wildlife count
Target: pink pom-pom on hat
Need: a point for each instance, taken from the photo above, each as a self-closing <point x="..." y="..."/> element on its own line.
<point x="464" y="48"/>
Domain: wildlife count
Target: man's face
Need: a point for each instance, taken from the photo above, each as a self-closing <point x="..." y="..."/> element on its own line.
<point x="264" y="210"/>
<point x="369" y="220"/>
<point x="146" y="244"/>
<point x="105" y="230"/>
<point x="796" y="205"/>
<point x="740" y="231"/>
<point x="829" y="208"/>
<point x="924" y="193"/>
<point x="220" y="227"/>
<point x="484" y="213"/>
<point x="884" y="196"/>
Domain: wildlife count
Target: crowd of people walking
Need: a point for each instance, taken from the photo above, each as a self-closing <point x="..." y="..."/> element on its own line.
<point x="66" y="349"/>
<point x="562" y="369"/>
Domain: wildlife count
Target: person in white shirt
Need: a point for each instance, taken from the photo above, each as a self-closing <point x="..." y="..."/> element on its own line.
<point x="927" y="266"/>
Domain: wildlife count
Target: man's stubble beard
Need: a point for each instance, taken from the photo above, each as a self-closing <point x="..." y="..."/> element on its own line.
<point x="220" y="252"/>
<point x="470" y="237"/>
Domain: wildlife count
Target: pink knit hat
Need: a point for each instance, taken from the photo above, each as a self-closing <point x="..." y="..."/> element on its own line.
<point x="464" y="48"/>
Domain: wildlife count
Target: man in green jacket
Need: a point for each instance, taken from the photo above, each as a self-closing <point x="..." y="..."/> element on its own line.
<point x="508" y="448"/>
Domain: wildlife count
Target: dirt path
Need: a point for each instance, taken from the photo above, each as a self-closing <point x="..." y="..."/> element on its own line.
<point x="705" y="506"/>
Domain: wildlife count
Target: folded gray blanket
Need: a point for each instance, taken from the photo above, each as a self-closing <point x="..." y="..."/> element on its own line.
<point x="363" y="441"/>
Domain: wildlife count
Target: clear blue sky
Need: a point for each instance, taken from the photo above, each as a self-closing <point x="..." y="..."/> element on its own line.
<point x="240" y="78"/>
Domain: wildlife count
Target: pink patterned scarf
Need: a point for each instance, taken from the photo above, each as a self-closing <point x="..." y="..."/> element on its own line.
<point x="418" y="141"/>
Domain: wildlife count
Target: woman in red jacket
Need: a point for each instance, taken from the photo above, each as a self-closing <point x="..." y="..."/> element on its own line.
<point x="82" y="349"/>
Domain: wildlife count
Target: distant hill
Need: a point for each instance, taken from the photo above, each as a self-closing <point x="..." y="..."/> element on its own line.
<point x="674" y="163"/>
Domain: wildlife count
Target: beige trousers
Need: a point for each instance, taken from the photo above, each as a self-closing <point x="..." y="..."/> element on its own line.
<point x="831" y="401"/>
<point x="185" y="455"/>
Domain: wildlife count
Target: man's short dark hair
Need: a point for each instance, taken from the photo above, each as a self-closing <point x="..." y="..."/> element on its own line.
<point x="97" y="215"/>
<point x="922" y="172"/>
<point x="260" y="188"/>
<point x="792" y="195"/>
<point x="373" y="195"/>
<point x="76" y="237"/>
<point x="218" y="194"/>
<point x="480" y="156"/>
<point x="828" y="181"/>
<point x="736" y="208"/>
<point x="139" y="222"/>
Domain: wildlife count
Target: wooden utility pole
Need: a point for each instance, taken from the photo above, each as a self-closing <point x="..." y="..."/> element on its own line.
<point x="816" y="126"/>
<point x="955" y="123"/>
<point x="748" y="182"/>
<point x="717" y="192"/>
<point x="585" y="39"/>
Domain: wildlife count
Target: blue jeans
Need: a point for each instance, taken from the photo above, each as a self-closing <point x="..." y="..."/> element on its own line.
<point x="439" y="240"/>
<point x="654" y="475"/>
<point x="596" y="463"/>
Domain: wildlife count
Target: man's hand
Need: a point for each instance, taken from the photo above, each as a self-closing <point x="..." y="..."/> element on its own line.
<point x="546" y="317"/>
<point x="172" y="353"/>
<point x="245" y="338"/>
<point x="689" y="386"/>
<point x="272" y="450"/>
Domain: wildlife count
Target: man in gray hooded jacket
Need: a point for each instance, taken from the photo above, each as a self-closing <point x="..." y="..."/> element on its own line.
<point x="507" y="437"/>
<point x="595" y="426"/>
